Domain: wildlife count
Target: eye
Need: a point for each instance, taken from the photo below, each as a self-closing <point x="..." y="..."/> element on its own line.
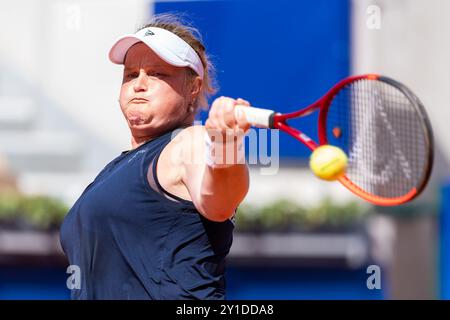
<point x="132" y="75"/>
<point x="155" y="74"/>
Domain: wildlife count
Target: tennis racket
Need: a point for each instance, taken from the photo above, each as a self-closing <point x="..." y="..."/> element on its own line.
<point x="381" y="126"/>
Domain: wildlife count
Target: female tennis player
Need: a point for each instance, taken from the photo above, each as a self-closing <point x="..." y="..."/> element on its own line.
<point x="157" y="221"/>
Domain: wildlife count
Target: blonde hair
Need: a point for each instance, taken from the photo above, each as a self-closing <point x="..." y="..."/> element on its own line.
<point x="191" y="35"/>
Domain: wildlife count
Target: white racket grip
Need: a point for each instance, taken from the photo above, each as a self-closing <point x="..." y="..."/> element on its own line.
<point x="255" y="116"/>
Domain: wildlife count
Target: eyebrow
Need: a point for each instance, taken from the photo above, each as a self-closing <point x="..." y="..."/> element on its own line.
<point x="132" y="67"/>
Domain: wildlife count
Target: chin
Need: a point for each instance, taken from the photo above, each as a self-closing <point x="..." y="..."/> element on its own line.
<point x="142" y="129"/>
<point x="149" y="128"/>
<point x="139" y="125"/>
<point x="136" y="122"/>
<point x="137" y="118"/>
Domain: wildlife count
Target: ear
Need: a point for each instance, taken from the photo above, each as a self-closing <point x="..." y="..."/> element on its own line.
<point x="196" y="87"/>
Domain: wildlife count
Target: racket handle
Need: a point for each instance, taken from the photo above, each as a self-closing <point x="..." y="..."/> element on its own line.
<point x="255" y="116"/>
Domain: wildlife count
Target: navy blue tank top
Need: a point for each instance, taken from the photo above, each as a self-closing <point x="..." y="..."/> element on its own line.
<point x="131" y="241"/>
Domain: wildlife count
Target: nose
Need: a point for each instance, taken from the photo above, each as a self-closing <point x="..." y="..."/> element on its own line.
<point x="141" y="82"/>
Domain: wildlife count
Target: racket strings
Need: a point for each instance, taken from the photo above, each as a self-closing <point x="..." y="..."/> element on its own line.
<point x="382" y="134"/>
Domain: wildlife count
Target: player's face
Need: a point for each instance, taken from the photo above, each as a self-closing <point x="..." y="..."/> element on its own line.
<point x="154" y="96"/>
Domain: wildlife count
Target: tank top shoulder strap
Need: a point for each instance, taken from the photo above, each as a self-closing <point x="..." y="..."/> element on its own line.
<point x="150" y="162"/>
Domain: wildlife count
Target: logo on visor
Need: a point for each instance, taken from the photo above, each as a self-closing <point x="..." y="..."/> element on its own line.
<point x="149" y="33"/>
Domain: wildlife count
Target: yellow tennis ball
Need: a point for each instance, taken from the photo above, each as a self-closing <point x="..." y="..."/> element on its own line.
<point x="328" y="162"/>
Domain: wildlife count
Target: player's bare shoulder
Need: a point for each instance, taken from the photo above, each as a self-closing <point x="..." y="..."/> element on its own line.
<point x="186" y="147"/>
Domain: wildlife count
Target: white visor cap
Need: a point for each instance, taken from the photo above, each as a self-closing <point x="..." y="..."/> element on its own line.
<point x="167" y="45"/>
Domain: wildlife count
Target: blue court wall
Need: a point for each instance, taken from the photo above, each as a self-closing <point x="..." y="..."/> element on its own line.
<point x="444" y="225"/>
<point x="33" y="283"/>
<point x="280" y="55"/>
<point x="250" y="282"/>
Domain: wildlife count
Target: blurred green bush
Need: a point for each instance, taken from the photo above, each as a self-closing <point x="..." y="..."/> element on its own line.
<point x="287" y="216"/>
<point x="30" y="212"/>
<point x="44" y="213"/>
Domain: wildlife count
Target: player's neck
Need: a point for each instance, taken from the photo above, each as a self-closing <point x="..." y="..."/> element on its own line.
<point x="138" y="141"/>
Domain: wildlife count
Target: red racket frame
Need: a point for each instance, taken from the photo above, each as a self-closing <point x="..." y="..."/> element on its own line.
<point x="279" y="122"/>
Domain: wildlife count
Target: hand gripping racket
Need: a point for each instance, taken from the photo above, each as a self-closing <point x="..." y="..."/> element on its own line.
<point x="381" y="126"/>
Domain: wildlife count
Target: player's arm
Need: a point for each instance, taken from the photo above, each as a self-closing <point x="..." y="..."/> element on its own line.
<point x="217" y="187"/>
